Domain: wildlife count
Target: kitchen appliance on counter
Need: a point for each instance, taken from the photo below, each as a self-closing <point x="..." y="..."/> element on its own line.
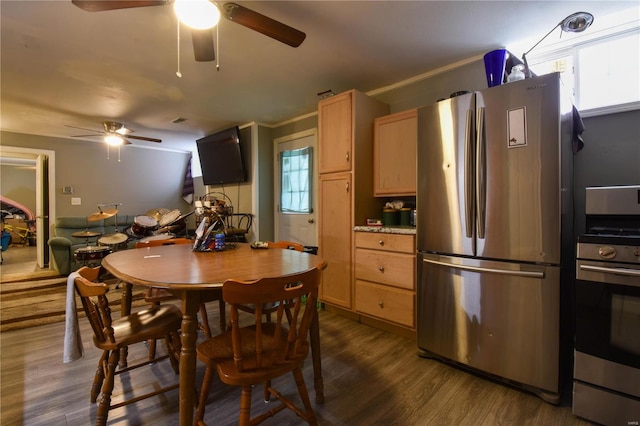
<point x="495" y="233"/>
<point x="606" y="383"/>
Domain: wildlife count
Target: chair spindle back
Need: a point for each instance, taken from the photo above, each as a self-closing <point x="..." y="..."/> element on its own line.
<point x="96" y="307"/>
<point x="270" y="347"/>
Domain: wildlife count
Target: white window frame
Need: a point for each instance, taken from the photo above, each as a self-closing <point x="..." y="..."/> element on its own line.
<point x="558" y="44"/>
<point x="573" y="51"/>
<point x="302" y="186"/>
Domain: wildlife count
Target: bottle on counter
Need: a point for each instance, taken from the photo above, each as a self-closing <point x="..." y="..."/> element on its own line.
<point x="219" y="241"/>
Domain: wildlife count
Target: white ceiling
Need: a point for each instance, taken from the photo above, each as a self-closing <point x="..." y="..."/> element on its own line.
<point x="61" y="65"/>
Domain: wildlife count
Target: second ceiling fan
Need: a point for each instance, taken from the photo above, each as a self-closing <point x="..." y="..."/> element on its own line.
<point x="203" y="38"/>
<point x="114" y="134"/>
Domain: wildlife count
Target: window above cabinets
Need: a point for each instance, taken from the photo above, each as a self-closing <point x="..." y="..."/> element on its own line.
<point x="600" y="68"/>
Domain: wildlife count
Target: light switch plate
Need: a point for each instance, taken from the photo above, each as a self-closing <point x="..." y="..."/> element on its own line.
<point x="76" y="201"/>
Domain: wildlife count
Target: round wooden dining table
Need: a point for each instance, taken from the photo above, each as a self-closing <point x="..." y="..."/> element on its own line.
<point x="192" y="276"/>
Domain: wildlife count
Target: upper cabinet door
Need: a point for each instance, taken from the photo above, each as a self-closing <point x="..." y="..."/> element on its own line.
<point x="335" y="118"/>
<point x="394" y="155"/>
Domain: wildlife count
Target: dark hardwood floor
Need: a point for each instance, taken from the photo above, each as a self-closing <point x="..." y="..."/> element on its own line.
<point x="371" y="378"/>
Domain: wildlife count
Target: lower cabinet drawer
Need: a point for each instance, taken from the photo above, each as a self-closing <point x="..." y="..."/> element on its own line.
<point x="385" y="267"/>
<point x="384" y="302"/>
<point x="399" y="243"/>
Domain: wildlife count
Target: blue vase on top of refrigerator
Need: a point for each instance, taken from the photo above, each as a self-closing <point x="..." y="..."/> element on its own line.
<point x="495" y="233"/>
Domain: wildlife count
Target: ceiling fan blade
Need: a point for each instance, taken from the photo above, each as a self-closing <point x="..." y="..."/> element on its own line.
<point x="102" y="5"/>
<point x="203" y="45"/>
<point x="142" y="138"/>
<point x="84" y="136"/>
<point x="83" y="128"/>
<point x="262" y="24"/>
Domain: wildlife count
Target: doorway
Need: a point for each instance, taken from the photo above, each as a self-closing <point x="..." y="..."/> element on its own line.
<point x="44" y="176"/>
<point x="295" y="182"/>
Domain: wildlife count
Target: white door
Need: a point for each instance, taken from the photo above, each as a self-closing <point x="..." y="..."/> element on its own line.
<point x="45" y="184"/>
<point x="296" y="180"/>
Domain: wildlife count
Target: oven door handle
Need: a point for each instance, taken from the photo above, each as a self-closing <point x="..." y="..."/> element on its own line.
<point x="618" y="271"/>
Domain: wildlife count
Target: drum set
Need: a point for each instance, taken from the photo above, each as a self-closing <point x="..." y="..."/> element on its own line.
<point x="155" y="224"/>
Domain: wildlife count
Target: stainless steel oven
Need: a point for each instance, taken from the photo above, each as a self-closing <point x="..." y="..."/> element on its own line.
<point x="606" y="386"/>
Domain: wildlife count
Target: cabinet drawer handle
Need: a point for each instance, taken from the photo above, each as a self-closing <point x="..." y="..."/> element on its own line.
<point x="381" y="304"/>
<point x="346" y="156"/>
<point x="381" y="268"/>
<point x="381" y="242"/>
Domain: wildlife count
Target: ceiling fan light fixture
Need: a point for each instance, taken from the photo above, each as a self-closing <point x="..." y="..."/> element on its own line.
<point x="197" y="14"/>
<point x="114" y="140"/>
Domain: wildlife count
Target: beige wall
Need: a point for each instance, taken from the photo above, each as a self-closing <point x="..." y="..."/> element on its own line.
<point x="146" y="179"/>
<point x="143" y="179"/>
<point x="18" y="183"/>
<point x="611" y="155"/>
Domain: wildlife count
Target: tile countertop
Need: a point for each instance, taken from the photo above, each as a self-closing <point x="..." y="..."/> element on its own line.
<point x="407" y="230"/>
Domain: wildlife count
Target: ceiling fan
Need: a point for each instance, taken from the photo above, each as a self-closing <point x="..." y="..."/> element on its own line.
<point x="203" y="38"/>
<point x="115" y="134"/>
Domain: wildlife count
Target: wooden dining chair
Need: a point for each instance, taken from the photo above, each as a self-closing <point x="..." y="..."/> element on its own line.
<point x="267" y="310"/>
<point x="155" y="296"/>
<point x="111" y="335"/>
<point x="285" y="245"/>
<point x="262" y="351"/>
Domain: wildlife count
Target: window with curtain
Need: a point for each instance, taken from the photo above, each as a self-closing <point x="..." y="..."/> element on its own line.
<point x="296" y="180"/>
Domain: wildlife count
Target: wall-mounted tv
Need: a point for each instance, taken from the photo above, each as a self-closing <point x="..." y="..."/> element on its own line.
<point x="221" y="157"/>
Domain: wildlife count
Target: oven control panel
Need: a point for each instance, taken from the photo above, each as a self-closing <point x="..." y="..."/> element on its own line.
<point x="606" y="252"/>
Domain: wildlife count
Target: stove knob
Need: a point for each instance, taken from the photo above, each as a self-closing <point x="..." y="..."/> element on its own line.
<point x="607" y="252"/>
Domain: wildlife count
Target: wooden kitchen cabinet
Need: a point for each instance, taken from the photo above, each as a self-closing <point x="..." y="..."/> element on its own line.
<point x="385" y="277"/>
<point x="394" y="154"/>
<point x="335" y="238"/>
<point x="345" y="163"/>
<point x="335" y="126"/>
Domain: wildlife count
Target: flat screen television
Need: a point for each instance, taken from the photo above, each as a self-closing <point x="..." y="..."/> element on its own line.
<point x="221" y="157"/>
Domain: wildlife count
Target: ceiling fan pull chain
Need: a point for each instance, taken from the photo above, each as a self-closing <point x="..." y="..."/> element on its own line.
<point x="178" y="73"/>
<point x="218" y="47"/>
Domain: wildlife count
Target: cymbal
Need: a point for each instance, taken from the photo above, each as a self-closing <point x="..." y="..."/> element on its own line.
<point x="102" y="214"/>
<point x="116" y="238"/>
<point x="86" y="234"/>
<point x="157" y="213"/>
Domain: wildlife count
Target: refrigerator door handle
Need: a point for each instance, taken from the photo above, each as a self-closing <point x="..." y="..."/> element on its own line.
<point x="468" y="174"/>
<point x="526" y="274"/>
<point x="481" y="185"/>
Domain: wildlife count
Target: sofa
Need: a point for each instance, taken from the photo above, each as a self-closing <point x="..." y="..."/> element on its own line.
<point x="63" y="245"/>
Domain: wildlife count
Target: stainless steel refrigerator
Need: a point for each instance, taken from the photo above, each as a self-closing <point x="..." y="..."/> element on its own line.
<point x="494" y="233"/>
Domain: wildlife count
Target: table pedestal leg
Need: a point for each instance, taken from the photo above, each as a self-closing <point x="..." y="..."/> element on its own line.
<point x="314" y="337"/>
<point x="190" y="304"/>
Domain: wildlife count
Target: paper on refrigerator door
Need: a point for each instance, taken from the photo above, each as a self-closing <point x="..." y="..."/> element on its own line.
<point x="517" y="123"/>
